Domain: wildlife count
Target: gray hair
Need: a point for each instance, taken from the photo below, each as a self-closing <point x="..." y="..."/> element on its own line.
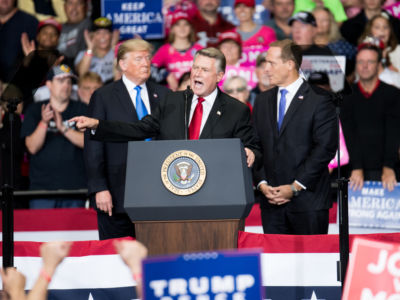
<point x="219" y="57"/>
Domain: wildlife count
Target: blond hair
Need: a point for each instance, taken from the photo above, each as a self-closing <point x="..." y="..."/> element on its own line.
<point x="133" y="45"/>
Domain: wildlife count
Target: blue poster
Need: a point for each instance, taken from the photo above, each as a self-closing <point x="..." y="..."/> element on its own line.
<point x="228" y="275"/>
<point x="133" y="18"/>
<point x="374" y="207"/>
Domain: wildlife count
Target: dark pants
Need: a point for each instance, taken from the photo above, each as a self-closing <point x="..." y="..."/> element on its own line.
<point x="56" y="203"/>
<point x="116" y="226"/>
<point x="278" y="220"/>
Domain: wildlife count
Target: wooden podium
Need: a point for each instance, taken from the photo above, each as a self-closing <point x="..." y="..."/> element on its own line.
<point x="206" y="220"/>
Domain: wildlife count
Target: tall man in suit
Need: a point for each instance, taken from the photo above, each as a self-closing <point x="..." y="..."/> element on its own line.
<point x="205" y="113"/>
<point x="297" y="132"/>
<point x="128" y="99"/>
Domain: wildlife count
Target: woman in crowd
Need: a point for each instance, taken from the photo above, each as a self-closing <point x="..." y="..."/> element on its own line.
<point x="230" y="44"/>
<point x="99" y="55"/>
<point x="177" y="55"/>
<point x="328" y="34"/>
<point x="251" y="33"/>
<point x="379" y="27"/>
<point x="236" y="87"/>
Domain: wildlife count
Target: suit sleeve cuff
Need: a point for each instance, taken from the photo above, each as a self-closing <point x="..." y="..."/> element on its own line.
<point x="260" y="183"/>
<point x="300" y="184"/>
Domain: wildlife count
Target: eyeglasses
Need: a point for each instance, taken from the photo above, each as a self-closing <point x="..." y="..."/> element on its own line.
<point x="237" y="90"/>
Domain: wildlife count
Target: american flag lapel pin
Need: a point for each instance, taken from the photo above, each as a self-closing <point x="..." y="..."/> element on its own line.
<point x="155" y="95"/>
<point x="301" y="97"/>
<point x="218" y="113"/>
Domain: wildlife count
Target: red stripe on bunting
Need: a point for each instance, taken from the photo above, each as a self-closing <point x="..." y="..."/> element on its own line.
<point x="280" y="243"/>
<point x="78" y="249"/>
<point x="54" y="219"/>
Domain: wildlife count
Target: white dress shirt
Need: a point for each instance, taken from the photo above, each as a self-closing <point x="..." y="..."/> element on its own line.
<point x="207" y="105"/>
<point x="130" y="86"/>
<point x="292" y="90"/>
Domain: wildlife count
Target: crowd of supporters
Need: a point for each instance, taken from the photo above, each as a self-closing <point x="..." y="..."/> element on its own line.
<point x="48" y="150"/>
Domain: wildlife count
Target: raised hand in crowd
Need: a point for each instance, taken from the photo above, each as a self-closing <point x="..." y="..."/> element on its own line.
<point x="115" y="38"/>
<point x="13" y="284"/>
<point x="47" y="113"/>
<point x="52" y="254"/>
<point x="132" y="253"/>
<point x="27" y="46"/>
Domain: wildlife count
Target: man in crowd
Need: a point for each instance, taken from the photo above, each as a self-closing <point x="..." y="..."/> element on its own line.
<point x="72" y="40"/>
<point x="87" y="85"/>
<point x="297" y="130"/>
<point x="210" y="113"/>
<point x="304" y="30"/>
<point x="282" y="10"/>
<point x="262" y="78"/>
<point x="370" y="120"/>
<point x="54" y="144"/>
<point x="353" y="28"/>
<point x="128" y="100"/>
<point x="208" y="23"/>
<point x="13" y="23"/>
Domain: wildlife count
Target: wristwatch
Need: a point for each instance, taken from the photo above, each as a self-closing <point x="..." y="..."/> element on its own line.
<point x="294" y="190"/>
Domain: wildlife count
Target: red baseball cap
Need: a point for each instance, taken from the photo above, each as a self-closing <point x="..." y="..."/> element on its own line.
<point x="50" y="22"/>
<point x="249" y="3"/>
<point x="179" y="15"/>
<point x="230" y="35"/>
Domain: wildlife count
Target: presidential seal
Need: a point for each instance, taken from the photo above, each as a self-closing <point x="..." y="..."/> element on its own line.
<point x="183" y="172"/>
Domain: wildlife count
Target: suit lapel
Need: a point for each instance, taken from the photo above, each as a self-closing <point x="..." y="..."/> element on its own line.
<point x="124" y="98"/>
<point x="154" y="98"/>
<point x="216" y="112"/>
<point x="294" y="105"/>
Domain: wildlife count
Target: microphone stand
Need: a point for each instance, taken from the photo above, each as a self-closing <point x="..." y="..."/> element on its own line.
<point x="186" y="94"/>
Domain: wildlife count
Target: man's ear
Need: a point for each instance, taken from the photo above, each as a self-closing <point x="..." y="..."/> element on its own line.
<point x="48" y="84"/>
<point x="122" y="65"/>
<point x="220" y="75"/>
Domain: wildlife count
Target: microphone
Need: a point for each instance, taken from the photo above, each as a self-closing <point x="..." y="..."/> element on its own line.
<point x="187" y="92"/>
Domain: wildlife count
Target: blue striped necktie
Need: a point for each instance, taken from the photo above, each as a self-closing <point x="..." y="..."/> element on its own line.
<point x="140" y="107"/>
<point x="282" y="106"/>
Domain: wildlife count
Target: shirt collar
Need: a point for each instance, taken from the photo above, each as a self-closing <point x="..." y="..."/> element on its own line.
<point x="130" y="85"/>
<point x="293" y="87"/>
<point x="210" y="98"/>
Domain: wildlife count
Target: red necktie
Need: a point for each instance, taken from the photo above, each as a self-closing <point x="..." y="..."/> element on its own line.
<point x="195" y="124"/>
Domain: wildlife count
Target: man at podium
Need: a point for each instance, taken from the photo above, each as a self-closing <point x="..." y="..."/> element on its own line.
<point x="201" y="112"/>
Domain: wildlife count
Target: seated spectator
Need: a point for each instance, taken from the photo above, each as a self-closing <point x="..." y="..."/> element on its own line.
<point x="44" y="9"/>
<point x="281" y="11"/>
<point x="177" y="55"/>
<point x="47" y="36"/>
<point x="13" y="23"/>
<point x="236" y="87"/>
<point x="379" y="27"/>
<point x="251" y="33"/>
<point x="353" y="28"/>
<point x="262" y="78"/>
<point x="208" y="23"/>
<point x="230" y="44"/>
<point x="87" y="84"/>
<point x="52" y="253"/>
<point x="54" y="143"/>
<point x="71" y="40"/>
<point x="99" y="55"/>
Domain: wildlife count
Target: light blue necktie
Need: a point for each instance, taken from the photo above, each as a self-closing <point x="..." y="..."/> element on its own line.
<point x="282" y="106"/>
<point x="141" y="110"/>
<point x="140" y="107"/>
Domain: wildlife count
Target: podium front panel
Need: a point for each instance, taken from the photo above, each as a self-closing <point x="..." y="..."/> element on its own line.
<point x="226" y="193"/>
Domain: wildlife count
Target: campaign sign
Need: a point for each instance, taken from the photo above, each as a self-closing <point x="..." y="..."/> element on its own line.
<point x="333" y="66"/>
<point x="394" y="9"/>
<point x="374" y="207"/>
<point x="374" y="271"/>
<point x="133" y="18"/>
<point x="249" y="55"/>
<point x="247" y="73"/>
<point x="227" y="275"/>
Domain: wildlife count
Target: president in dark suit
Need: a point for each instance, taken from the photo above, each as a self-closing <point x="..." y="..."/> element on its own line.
<point x="128" y="100"/>
<point x="204" y="113"/>
<point x="296" y="127"/>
